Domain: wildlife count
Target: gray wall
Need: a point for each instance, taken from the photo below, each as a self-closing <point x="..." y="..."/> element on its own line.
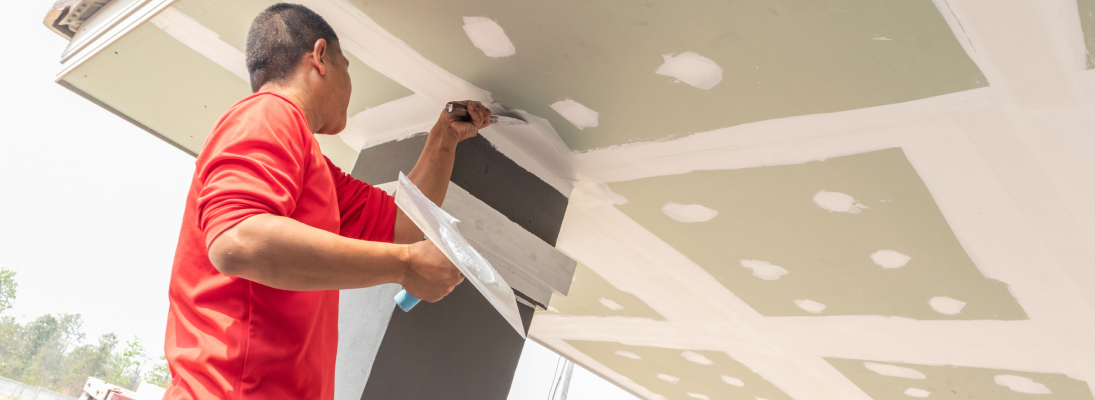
<point x="459" y="347"/>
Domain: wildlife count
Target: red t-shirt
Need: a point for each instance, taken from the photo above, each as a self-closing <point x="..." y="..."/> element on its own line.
<point x="231" y="338"/>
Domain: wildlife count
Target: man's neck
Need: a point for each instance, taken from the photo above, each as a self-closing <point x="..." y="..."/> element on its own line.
<point x="301" y="100"/>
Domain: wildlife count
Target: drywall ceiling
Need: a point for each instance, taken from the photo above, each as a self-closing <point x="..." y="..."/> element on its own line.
<point x="156" y="73"/>
<point x="154" y="79"/>
<point x="787" y="193"/>
<point x="901" y="381"/>
<point x="852" y="235"/>
<point x="592" y="295"/>
<point x="682" y="375"/>
<point x="776" y="59"/>
<point x="1087" y="21"/>
<point x="228" y="20"/>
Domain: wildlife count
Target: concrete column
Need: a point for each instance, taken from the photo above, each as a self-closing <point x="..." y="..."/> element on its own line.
<point x="460" y="347"/>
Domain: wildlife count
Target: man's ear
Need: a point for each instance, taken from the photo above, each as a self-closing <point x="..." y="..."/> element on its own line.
<point x="319" y="52"/>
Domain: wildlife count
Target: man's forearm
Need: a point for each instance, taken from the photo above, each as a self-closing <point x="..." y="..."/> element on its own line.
<point x="431" y="175"/>
<point x="433" y="170"/>
<point x="283" y="253"/>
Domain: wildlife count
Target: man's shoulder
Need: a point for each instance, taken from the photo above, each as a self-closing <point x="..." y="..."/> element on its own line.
<point x="267" y="103"/>
<point x="261" y="117"/>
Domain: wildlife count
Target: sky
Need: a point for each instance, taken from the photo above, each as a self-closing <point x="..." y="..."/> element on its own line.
<point x="93" y="206"/>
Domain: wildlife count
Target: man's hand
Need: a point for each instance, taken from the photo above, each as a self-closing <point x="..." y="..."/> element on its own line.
<point x="434" y="167"/>
<point x="480" y="118"/>
<point x="429" y="275"/>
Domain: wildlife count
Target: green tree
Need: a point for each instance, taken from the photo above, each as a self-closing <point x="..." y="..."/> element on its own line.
<point x="8" y="286"/>
<point x="49" y="351"/>
<point x="160" y="374"/>
<point x="125" y="367"/>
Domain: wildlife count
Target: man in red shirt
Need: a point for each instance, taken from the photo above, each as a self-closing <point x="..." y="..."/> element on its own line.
<point x="272" y="230"/>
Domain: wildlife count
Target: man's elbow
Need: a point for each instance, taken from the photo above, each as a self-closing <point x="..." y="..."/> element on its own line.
<point x="231" y="254"/>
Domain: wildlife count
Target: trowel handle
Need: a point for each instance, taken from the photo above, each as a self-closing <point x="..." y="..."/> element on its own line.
<point x="460" y="111"/>
<point x="405" y="301"/>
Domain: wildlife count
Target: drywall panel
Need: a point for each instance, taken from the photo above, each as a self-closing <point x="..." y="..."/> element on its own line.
<point x="681" y="374"/>
<point x="852" y="235"/>
<point x="592" y="295"/>
<point x="232" y="19"/>
<point x="901" y="381"/>
<point x="1087" y="22"/>
<point x="370" y="88"/>
<point x="613" y="72"/>
<point x="154" y="79"/>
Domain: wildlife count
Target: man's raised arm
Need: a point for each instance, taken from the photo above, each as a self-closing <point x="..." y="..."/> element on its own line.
<point x="433" y="170"/>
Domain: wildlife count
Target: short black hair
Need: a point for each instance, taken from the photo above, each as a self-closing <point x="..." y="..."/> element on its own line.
<point x="279" y="37"/>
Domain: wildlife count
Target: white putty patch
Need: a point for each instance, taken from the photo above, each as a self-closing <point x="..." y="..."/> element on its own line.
<point x="696" y="358"/>
<point x="578" y="114"/>
<point x="628" y="354"/>
<point x="764" y="270"/>
<point x="732" y="381"/>
<point x="688" y="213"/>
<point x="894" y="371"/>
<point x="880" y="38"/>
<point x="837" y="202"/>
<point x="889" y="259"/>
<point x="946" y="305"/>
<point x="669" y="378"/>
<point x="810" y="305"/>
<point x="602" y="191"/>
<point x="917" y="392"/>
<point x="691" y="68"/>
<point x="697" y="396"/>
<point x="489" y="37"/>
<point x="612" y="305"/>
<point x="1021" y="384"/>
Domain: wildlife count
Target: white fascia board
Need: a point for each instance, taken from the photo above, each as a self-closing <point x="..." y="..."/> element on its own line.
<point x="527" y="263"/>
<point x="109" y="24"/>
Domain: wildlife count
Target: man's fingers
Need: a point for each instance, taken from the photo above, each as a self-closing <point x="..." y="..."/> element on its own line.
<point x="480" y="114"/>
<point x="476" y="110"/>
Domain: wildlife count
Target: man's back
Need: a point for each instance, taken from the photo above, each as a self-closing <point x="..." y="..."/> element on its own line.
<point x="231" y="338"/>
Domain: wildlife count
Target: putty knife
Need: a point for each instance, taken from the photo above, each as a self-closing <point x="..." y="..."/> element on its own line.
<point x="440" y="228"/>
<point x="460" y="110"/>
